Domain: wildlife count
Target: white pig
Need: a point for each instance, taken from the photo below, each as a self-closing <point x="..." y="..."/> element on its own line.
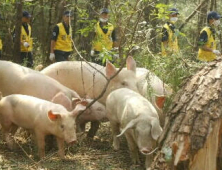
<point x="87" y="81"/>
<point x="40" y="116"/>
<point x="16" y="79"/>
<point x="138" y="119"/>
<point x="154" y="89"/>
<point x="158" y="89"/>
<point x="93" y="114"/>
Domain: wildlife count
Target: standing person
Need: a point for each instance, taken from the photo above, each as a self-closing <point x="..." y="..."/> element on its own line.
<point x="105" y="36"/>
<point x="169" y="44"/>
<point x="26" y="40"/>
<point x="207" y="44"/>
<point x="61" y="41"/>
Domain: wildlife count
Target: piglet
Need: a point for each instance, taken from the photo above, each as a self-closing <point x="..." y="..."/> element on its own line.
<point x="94" y="114"/>
<point x="40" y="116"/>
<point x="138" y="119"/>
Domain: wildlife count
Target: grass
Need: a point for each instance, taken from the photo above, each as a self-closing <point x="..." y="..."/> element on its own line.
<point x="88" y="154"/>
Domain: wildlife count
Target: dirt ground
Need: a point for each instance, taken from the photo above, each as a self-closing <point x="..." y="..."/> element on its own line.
<point x="96" y="154"/>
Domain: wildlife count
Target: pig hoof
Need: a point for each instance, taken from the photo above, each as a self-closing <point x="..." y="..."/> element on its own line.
<point x="62" y="156"/>
<point x="116" y="148"/>
<point x="11" y="146"/>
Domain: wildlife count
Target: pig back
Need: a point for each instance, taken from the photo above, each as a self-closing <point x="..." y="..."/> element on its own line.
<point x="27" y="111"/>
<point x="10" y="77"/>
<point x="123" y="105"/>
<point x="78" y="76"/>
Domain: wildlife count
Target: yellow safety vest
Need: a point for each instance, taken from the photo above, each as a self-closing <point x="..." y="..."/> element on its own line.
<point x="103" y="40"/>
<point x="172" y="41"/>
<point x="63" y="41"/>
<point x="0" y="45"/>
<point x="211" y="43"/>
<point x="26" y="38"/>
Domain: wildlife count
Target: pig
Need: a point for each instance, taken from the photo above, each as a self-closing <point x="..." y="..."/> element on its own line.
<point x="138" y="119"/>
<point x="16" y="79"/>
<point x="154" y="89"/>
<point x="94" y="114"/>
<point x="86" y="80"/>
<point x="40" y="116"/>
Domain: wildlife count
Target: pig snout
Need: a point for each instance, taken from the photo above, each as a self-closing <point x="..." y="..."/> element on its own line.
<point x="72" y="142"/>
<point x="147" y="151"/>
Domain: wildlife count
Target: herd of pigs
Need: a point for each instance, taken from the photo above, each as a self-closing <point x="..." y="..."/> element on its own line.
<point x="57" y="101"/>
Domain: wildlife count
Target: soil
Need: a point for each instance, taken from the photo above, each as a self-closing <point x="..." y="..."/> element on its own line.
<point x="87" y="154"/>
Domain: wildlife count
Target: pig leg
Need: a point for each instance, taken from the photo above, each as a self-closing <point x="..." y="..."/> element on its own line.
<point x="50" y="142"/>
<point x="40" y="137"/>
<point x="60" y="143"/>
<point x="149" y="159"/>
<point x="93" y="129"/>
<point x="115" y="130"/>
<point x="82" y="127"/>
<point x="133" y="148"/>
<point x="9" y="130"/>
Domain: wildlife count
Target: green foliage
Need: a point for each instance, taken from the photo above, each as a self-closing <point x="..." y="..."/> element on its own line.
<point x="162" y="11"/>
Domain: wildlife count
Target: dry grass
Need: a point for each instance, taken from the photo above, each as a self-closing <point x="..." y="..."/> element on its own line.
<point x="88" y="154"/>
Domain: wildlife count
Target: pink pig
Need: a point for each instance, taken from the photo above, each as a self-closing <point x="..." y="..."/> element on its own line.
<point x="40" y="116"/>
<point x="16" y="79"/>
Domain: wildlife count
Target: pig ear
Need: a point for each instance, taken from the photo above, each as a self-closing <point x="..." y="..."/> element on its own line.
<point x="110" y="69"/>
<point x="87" y="97"/>
<point x="52" y="116"/>
<point x="61" y="98"/>
<point x="156" y="129"/>
<point x="160" y="101"/>
<point x="75" y="101"/>
<point x="79" y="107"/>
<point x="130" y="125"/>
<point x="131" y="64"/>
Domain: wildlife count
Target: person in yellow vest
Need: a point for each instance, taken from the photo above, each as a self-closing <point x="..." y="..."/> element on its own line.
<point x="105" y="36"/>
<point x="207" y="44"/>
<point x="61" y="41"/>
<point x="169" y="44"/>
<point x="26" y="40"/>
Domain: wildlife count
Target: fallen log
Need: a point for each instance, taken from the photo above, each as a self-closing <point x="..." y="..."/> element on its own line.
<point x="193" y="128"/>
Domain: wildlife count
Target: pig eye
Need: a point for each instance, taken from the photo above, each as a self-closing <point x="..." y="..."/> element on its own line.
<point x="124" y="83"/>
<point x="99" y="109"/>
<point x="62" y="126"/>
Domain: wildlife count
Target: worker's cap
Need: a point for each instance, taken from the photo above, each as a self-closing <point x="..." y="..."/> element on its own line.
<point x="26" y="14"/>
<point x="67" y="13"/>
<point x="173" y="11"/>
<point x="104" y="10"/>
<point x="213" y="15"/>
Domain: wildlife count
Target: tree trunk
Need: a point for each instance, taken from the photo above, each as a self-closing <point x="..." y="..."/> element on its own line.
<point x="74" y="24"/>
<point x="18" y="24"/>
<point x="212" y="5"/>
<point x="43" y="41"/>
<point x="49" y="31"/>
<point x="106" y="3"/>
<point x="192" y="133"/>
<point x="150" y="16"/>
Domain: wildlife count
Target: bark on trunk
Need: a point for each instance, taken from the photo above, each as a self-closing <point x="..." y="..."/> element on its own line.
<point x="192" y="132"/>
<point x="18" y="24"/>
